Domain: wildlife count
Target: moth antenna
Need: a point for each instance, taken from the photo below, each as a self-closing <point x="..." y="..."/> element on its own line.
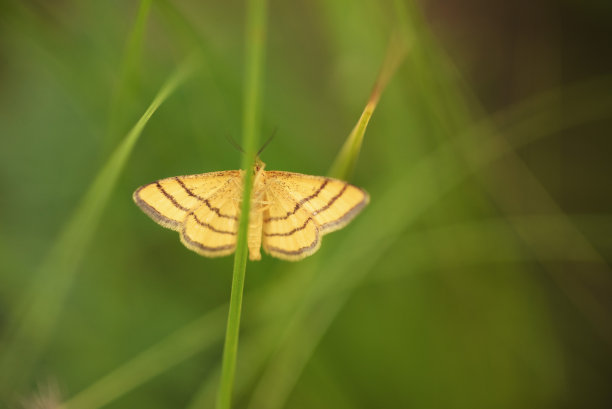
<point x="267" y="142"/>
<point x="234" y="143"/>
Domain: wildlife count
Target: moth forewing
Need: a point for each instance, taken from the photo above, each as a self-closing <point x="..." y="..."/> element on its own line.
<point x="302" y="208"/>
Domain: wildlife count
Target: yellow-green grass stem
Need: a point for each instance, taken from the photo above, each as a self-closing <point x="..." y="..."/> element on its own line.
<point x="346" y="160"/>
<point x="255" y="48"/>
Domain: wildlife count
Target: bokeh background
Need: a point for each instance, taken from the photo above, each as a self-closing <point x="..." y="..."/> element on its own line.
<point x="478" y="277"/>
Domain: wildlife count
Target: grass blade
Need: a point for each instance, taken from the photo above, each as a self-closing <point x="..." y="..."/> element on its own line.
<point x="455" y="101"/>
<point x="177" y="347"/>
<point x="255" y="46"/>
<point x="128" y="70"/>
<point x="345" y="161"/>
<point x="33" y="321"/>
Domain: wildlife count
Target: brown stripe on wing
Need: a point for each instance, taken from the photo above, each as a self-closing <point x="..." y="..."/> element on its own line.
<point x="191" y="243"/>
<point x="347" y="216"/>
<point x="301" y="250"/>
<point x="208" y="226"/>
<point x="187" y="190"/>
<point x="218" y="211"/>
<point x="299" y="204"/>
<point x="170" y="197"/>
<point x="332" y="200"/>
<point x="153" y="213"/>
<point x="205" y="201"/>
<point x="292" y="232"/>
<point x="340" y="221"/>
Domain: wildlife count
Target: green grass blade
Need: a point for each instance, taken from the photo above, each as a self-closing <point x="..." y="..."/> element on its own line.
<point x="223" y="86"/>
<point x="255" y="47"/>
<point x="345" y="161"/>
<point x="128" y="70"/>
<point x="174" y="349"/>
<point x="35" y="318"/>
<point x="457" y="102"/>
<point x="499" y="230"/>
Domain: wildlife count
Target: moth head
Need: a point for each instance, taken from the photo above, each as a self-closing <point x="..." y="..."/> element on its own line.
<point x="258" y="166"/>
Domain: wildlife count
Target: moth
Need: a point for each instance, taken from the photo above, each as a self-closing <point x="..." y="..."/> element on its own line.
<point x="289" y="214"/>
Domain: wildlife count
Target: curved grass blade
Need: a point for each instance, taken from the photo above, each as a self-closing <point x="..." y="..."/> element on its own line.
<point x="128" y="70"/>
<point x="177" y="347"/>
<point x="33" y="321"/>
<point x="455" y="103"/>
<point x="345" y="161"/>
<point x="223" y="85"/>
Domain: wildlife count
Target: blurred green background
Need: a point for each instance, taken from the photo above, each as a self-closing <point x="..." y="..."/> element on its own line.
<point x="478" y="277"/>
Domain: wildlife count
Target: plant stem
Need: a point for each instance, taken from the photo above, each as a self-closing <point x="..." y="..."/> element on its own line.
<point x="255" y="41"/>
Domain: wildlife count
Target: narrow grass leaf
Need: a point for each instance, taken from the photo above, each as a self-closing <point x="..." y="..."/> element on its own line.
<point x="174" y="349"/>
<point x="255" y="47"/>
<point x="33" y="321"/>
<point x="345" y="161"/>
<point x="128" y="69"/>
<point x="457" y="96"/>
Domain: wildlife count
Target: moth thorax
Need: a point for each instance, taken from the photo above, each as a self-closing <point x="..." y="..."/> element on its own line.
<point x="258" y="166"/>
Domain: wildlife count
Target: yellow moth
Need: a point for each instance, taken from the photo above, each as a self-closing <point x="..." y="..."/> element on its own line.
<point x="289" y="211"/>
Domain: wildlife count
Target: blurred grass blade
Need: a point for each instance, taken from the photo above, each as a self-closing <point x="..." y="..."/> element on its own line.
<point x="457" y="102"/>
<point x="345" y="161"/>
<point x="176" y="348"/>
<point x="34" y="319"/>
<point x="255" y="51"/>
<point x="223" y="87"/>
<point x="128" y="71"/>
<point x="254" y="349"/>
